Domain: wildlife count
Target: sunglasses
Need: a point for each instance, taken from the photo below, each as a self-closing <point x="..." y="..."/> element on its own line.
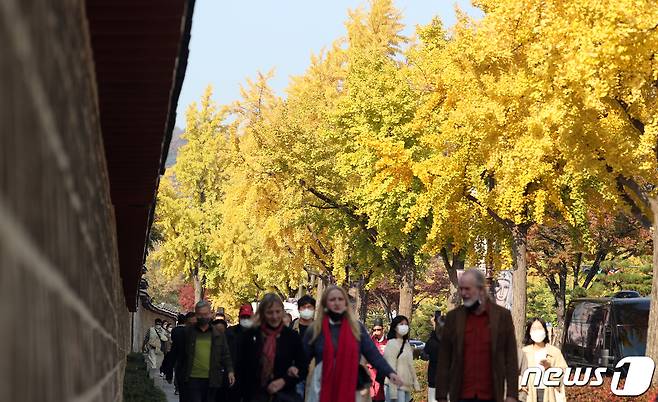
<point x="378" y="329"/>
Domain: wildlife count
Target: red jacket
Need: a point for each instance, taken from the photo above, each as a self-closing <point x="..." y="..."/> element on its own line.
<point x="376" y="389"/>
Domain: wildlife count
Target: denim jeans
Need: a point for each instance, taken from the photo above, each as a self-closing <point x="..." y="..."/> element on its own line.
<point x="403" y="396"/>
<point x="431" y="394"/>
<point x="301" y="388"/>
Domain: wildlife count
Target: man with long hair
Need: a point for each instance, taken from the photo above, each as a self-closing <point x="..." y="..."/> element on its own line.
<point x="478" y="354"/>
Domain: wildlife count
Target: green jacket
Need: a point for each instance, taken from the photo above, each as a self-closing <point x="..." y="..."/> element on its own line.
<point x="220" y="359"/>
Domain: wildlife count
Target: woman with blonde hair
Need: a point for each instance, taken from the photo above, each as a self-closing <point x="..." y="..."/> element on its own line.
<point x="337" y="340"/>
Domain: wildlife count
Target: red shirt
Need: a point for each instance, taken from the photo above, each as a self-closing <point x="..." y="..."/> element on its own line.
<point x="477" y="381"/>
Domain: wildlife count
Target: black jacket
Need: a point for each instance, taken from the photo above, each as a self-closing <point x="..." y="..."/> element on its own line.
<point x="182" y="352"/>
<point x="432" y="352"/>
<point x="289" y="352"/>
<point x="233" y="337"/>
<point x="169" y="359"/>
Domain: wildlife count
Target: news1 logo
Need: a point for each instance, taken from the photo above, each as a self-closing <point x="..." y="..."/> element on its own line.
<point x="638" y="377"/>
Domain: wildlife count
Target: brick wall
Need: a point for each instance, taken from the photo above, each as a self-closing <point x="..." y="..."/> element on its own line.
<point x="65" y="328"/>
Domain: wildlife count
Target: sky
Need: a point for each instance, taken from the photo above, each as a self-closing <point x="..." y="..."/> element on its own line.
<point x="233" y="40"/>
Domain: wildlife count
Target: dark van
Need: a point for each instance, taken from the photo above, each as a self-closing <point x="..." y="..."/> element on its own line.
<point x="600" y="332"/>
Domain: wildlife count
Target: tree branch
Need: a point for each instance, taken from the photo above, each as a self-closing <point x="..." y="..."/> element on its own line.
<point x="359" y="219"/>
<point x="600" y="256"/>
<point x="505" y="222"/>
<point x="636" y="210"/>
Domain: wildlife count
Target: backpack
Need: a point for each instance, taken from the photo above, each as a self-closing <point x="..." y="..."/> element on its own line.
<point x="145" y="347"/>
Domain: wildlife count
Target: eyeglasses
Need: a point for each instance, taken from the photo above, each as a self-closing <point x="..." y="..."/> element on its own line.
<point x="378" y="329"/>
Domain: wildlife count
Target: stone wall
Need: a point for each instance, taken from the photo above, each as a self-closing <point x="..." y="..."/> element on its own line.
<point x="65" y="327"/>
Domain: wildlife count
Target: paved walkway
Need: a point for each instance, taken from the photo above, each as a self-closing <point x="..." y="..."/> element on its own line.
<point x="164" y="385"/>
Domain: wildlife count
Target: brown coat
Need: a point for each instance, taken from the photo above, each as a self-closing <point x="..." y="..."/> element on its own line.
<point x="504" y="355"/>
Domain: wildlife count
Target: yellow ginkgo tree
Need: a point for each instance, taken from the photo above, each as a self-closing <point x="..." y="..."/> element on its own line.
<point x="189" y="197"/>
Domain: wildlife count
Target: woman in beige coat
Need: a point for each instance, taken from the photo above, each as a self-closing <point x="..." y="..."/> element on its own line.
<point x="539" y="353"/>
<point x="399" y="355"/>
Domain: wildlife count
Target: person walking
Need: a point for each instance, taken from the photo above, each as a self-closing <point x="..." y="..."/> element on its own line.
<point x="399" y="354"/>
<point x="166" y="331"/>
<point x="234" y="337"/>
<point x="523" y="365"/>
<point x="540" y="353"/>
<point x="287" y="319"/>
<point x="272" y="360"/>
<point x="378" y="337"/>
<point x="306" y="308"/>
<point x="153" y="344"/>
<point x="165" y="345"/>
<point x="336" y="340"/>
<point x="478" y="354"/>
<point x="175" y="333"/>
<point x="220" y="325"/>
<point x="431" y="352"/>
<point x="201" y="358"/>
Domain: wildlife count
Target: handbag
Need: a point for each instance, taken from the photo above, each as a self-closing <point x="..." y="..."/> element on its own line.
<point x="363" y="379"/>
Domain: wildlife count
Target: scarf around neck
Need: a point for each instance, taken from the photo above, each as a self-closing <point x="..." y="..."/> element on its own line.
<point x="339" y="368"/>
<point x="269" y="351"/>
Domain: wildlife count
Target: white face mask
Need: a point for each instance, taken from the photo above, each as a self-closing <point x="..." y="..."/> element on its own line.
<point x="307" y="313"/>
<point x="402" y="329"/>
<point x="538" y="336"/>
<point x="246" y="322"/>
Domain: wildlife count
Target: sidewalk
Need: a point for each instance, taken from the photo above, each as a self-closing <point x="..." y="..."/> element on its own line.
<point x="163" y="385"/>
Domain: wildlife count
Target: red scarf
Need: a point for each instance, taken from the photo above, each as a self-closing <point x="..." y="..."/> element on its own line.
<point x="339" y="370"/>
<point x="269" y="351"/>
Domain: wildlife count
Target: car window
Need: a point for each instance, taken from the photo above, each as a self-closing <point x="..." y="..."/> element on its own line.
<point x="632" y="320"/>
<point x="584" y="336"/>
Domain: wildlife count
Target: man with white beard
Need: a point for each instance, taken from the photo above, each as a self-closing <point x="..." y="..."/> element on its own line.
<point x="479" y="357"/>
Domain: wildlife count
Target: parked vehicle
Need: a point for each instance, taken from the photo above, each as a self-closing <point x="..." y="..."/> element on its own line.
<point x="418" y="347"/>
<point x="599" y="332"/>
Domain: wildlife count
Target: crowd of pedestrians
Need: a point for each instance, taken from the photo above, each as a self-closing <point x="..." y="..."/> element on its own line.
<point x="327" y="355"/>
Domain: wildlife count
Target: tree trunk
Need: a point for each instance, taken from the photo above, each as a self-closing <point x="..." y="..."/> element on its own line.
<point x="490" y="268"/>
<point x="652" y="332"/>
<point x="320" y="289"/>
<point x="198" y="288"/>
<point x="386" y="305"/>
<point x="561" y="309"/>
<point x="594" y="270"/>
<point x="364" y="295"/>
<point x="519" y="278"/>
<point x="407" y="289"/>
<point x="458" y="261"/>
<point x="358" y="291"/>
<point x="559" y="326"/>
